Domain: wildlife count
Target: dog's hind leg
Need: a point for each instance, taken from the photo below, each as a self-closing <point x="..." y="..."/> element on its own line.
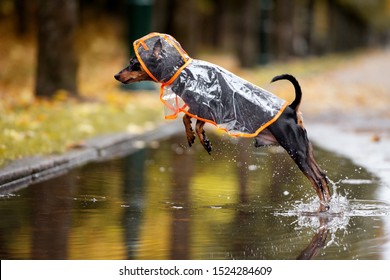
<point x="316" y="176"/>
<point x="202" y="136"/>
<point x="305" y="160"/>
<point x="189" y="131"/>
<point x="293" y="138"/>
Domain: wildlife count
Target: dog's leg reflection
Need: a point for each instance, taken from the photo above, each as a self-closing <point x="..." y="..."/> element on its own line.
<point x="317" y="242"/>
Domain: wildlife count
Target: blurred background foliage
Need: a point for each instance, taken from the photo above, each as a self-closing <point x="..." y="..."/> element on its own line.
<point x="54" y="45"/>
<point x="58" y="58"/>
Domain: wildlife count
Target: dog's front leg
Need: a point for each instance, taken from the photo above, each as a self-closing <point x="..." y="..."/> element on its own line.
<point x="189" y="131"/>
<point x="202" y="136"/>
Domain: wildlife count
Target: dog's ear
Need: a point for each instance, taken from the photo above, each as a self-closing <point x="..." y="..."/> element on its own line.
<point x="157" y="49"/>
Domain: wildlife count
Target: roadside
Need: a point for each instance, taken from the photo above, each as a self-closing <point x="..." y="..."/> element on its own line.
<point x="34" y="169"/>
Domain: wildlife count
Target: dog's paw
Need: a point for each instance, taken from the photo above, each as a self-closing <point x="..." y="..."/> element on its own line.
<point x="207" y="145"/>
<point x="191" y="139"/>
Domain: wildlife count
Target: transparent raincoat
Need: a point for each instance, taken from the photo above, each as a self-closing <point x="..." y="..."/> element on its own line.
<point x="206" y="91"/>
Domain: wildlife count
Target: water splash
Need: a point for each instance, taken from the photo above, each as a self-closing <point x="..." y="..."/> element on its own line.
<point x="339" y="206"/>
<point x="341" y="210"/>
<point x="308" y="216"/>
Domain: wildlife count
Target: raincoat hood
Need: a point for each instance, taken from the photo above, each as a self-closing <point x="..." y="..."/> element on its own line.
<point x="206" y="91"/>
<point x="161" y="56"/>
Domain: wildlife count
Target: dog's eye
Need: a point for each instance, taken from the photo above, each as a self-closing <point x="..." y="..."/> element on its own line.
<point x="134" y="65"/>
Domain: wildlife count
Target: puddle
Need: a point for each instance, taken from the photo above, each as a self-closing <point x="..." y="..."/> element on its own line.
<point x="167" y="201"/>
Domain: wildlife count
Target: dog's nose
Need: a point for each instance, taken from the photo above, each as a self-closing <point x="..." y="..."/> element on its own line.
<point x="116" y="76"/>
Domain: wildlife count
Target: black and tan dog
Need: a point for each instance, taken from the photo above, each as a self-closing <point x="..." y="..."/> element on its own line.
<point x="212" y="94"/>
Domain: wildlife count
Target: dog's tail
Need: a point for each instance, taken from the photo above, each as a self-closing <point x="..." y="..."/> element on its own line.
<point x="298" y="92"/>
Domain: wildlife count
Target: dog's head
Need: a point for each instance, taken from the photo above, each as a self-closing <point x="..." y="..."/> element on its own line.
<point x="132" y="73"/>
<point x="159" y="57"/>
<point x="135" y="72"/>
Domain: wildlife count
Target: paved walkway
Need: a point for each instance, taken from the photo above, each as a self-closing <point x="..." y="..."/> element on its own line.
<point x="348" y="111"/>
<point x="359" y="87"/>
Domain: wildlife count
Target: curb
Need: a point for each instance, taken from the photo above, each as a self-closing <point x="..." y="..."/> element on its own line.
<point x="21" y="173"/>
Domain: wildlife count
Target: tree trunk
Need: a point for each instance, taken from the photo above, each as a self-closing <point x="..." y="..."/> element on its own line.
<point x="186" y="27"/>
<point x="21" y="21"/>
<point x="283" y="29"/>
<point x="57" y="61"/>
<point x="310" y="27"/>
<point x="347" y="30"/>
<point x="248" y="26"/>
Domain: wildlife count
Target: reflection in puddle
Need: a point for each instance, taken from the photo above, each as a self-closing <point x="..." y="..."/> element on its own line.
<point x="167" y="201"/>
<point x="337" y="219"/>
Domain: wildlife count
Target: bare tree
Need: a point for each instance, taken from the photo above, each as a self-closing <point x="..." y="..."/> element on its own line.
<point x="282" y="36"/>
<point x="248" y="30"/>
<point x="57" y="61"/>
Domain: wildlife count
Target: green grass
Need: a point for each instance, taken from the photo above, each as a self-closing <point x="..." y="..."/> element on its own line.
<point x="54" y="127"/>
